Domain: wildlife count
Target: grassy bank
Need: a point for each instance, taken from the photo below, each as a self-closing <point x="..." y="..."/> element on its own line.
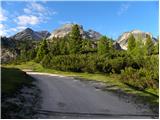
<point x="12" y="79"/>
<point x="149" y="95"/>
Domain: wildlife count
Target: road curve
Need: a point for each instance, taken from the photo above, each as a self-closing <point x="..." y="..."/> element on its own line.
<point x="68" y="95"/>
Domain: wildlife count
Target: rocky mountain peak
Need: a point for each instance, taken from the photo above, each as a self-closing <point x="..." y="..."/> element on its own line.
<point x="29" y="34"/>
<point x="123" y="39"/>
<point x="67" y="28"/>
<point x="136" y="31"/>
<point x="28" y="30"/>
<point x="44" y="34"/>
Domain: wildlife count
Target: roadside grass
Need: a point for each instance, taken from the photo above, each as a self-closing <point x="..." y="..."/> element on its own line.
<point x="149" y="95"/>
<point x="13" y="79"/>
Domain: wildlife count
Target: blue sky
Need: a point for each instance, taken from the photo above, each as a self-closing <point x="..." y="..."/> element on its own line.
<point x="108" y="18"/>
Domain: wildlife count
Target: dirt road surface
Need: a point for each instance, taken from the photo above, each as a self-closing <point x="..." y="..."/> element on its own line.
<point x="66" y="97"/>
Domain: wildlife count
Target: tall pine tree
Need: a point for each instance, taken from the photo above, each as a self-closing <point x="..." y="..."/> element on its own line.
<point x="75" y="40"/>
<point x="42" y="51"/>
<point x="131" y="43"/>
<point x="103" y="45"/>
<point x="149" y="45"/>
<point x="156" y="48"/>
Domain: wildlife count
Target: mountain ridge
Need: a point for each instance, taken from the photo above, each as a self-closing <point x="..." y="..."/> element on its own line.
<point x="64" y="30"/>
<point x="29" y="34"/>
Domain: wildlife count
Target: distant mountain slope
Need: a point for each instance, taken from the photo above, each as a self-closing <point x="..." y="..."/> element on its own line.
<point x="123" y="39"/>
<point x="8" y="51"/>
<point x="66" y="29"/>
<point x="29" y="34"/>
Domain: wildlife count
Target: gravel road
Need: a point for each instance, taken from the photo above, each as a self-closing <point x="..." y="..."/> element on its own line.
<point x="66" y="97"/>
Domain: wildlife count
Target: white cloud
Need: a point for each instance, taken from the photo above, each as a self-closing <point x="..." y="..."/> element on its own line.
<point x="27" y="10"/>
<point x="13" y="30"/>
<point x="3" y="31"/>
<point x="38" y="10"/>
<point x="24" y="20"/>
<point x="54" y="12"/>
<point x="6" y="31"/>
<point x="123" y="9"/>
<point x="38" y="7"/>
<point x="1" y="26"/>
<point x="33" y="14"/>
<point x="2" y="17"/>
<point x="35" y="8"/>
<point x="3" y="13"/>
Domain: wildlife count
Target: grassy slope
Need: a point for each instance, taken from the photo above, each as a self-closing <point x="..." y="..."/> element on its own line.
<point x="149" y="95"/>
<point x="12" y="79"/>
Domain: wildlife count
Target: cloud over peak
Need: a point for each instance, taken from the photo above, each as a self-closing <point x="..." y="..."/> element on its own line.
<point x="24" y="20"/>
<point x="33" y="14"/>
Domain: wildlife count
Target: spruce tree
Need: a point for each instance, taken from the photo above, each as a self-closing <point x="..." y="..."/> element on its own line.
<point x="149" y="45"/>
<point x="103" y="45"/>
<point x="131" y="43"/>
<point x="156" y="48"/>
<point x="111" y="45"/>
<point x="75" y="40"/>
<point x="139" y="49"/>
<point x="42" y="51"/>
<point x="63" y="46"/>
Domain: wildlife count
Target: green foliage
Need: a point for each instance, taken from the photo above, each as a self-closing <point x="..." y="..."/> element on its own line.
<point x="117" y="64"/>
<point x="74" y="62"/>
<point x="54" y="47"/>
<point x="88" y="46"/>
<point x="46" y="61"/>
<point x="156" y="48"/>
<point x="59" y="46"/>
<point x="42" y="51"/>
<point x="111" y="45"/>
<point x="139" y="50"/>
<point x="66" y="63"/>
<point x="151" y="64"/>
<point x="143" y="73"/>
<point x="147" y="76"/>
<point x="139" y="79"/>
<point x="103" y="45"/>
<point x="131" y="43"/>
<point x="149" y="46"/>
<point x="26" y="55"/>
<point x="63" y="46"/>
<point x="75" y="42"/>
<point x="31" y="54"/>
<point x="90" y="63"/>
<point x="86" y="63"/>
